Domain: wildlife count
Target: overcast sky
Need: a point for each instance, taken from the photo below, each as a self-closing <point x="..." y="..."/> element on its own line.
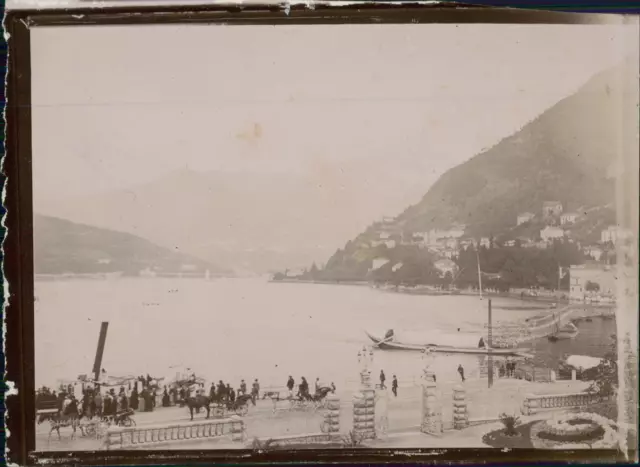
<point x="116" y="106"/>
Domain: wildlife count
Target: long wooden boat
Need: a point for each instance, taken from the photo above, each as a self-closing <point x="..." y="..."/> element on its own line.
<point x="385" y="344"/>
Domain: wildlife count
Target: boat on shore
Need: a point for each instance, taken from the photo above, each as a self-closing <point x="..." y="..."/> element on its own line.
<point x="389" y="343"/>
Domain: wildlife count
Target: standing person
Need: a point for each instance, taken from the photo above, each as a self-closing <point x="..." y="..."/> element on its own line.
<point x="212" y="391"/>
<point x="255" y="390"/>
<point x="333" y="388"/>
<point x="461" y="371"/>
<point x="317" y="385"/>
<point x="98" y="402"/>
<point x="243" y="388"/>
<point x="290" y="385"/>
<point x="165" y="398"/>
<point x="383" y="378"/>
<point x="232" y="394"/>
<point x="304" y="389"/>
<point x="394" y="386"/>
<point x="142" y="401"/>
<point x="221" y="391"/>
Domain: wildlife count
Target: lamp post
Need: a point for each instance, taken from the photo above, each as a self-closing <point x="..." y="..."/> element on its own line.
<point x="365" y="359"/>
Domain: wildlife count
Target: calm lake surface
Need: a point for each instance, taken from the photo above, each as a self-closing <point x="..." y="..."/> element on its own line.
<point x="234" y="329"/>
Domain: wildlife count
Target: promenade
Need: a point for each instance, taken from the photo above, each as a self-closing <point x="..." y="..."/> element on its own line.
<point x="403" y="412"/>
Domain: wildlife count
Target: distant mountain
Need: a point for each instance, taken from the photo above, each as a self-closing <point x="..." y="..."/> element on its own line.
<point x="63" y="247"/>
<point x="247" y="221"/>
<point x="567" y="154"/>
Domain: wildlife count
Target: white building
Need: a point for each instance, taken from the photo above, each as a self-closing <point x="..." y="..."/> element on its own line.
<point x="613" y="233"/>
<point x="568" y="218"/>
<point x="550" y="233"/>
<point x="581" y="276"/>
<point x="510" y="243"/>
<point x="485" y="242"/>
<point x="450" y="253"/>
<point x="525" y="217"/>
<point x="594" y="251"/>
<point x="445" y="266"/>
<point x="377" y="263"/>
<point x="451" y="243"/>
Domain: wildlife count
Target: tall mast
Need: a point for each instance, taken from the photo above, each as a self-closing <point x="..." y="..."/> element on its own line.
<point x="479" y="274"/>
<point x="97" y="364"/>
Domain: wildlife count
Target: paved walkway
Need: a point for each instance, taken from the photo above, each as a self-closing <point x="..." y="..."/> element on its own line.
<point x="404" y="415"/>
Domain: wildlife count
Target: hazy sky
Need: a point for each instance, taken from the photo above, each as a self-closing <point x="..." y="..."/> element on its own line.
<point x="115" y="106"/>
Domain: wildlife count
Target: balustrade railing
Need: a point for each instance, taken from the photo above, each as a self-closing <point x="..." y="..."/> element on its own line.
<point x="130" y="438"/>
<point x="533" y="404"/>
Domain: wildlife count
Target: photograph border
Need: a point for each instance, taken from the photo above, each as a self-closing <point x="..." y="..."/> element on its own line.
<point x="18" y="246"/>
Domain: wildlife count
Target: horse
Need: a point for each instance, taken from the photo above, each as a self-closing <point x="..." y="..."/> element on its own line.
<point x="197" y="403"/>
<point x="70" y="417"/>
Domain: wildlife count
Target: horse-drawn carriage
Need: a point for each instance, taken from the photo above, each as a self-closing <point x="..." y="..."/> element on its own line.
<point x="302" y="401"/>
<point x="221" y="408"/>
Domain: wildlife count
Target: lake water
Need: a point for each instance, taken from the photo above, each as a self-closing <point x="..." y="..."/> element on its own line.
<point x="234" y="329"/>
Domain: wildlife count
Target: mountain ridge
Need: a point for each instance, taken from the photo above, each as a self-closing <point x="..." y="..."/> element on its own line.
<point x="65" y="247"/>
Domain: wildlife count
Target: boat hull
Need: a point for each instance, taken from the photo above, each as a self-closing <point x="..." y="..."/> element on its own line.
<point x="391" y="345"/>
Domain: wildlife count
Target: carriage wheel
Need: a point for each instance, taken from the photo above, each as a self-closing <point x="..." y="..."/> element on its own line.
<point x="128" y="422"/>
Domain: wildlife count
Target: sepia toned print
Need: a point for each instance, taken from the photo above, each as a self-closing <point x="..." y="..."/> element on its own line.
<point x="338" y="236"/>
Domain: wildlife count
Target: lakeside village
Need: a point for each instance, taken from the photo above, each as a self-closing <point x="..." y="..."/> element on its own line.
<point x="507" y="403"/>
<point x="543" y="255"/>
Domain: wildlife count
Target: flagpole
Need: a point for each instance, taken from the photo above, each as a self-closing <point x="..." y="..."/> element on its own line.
<point x="479" y="274"/>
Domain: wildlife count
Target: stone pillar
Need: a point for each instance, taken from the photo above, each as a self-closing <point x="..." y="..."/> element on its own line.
<point x="553" y="376"/>
<point x="431" y="412"/>
<point x="332" y="415"/>
<point x="237" y="428"/>
<point x="574" y="375"/>
<point x="460" y="415"/>
<point x="529" y="405"/>
<point x="364" y="403"/>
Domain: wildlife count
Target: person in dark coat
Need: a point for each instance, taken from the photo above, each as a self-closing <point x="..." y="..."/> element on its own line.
<point x="290" y="384"/>
<point x="481" y="343"/>
<point x="165" y="398"/>
<point x="222" y="391"/>
<point x="232" y="394"/>
<point x="243" y="388"/>
<point x="394" y="386"/>
<point x="133" y="402"/>
<point x="461" y="371"/>
<point x="383" y="378"/>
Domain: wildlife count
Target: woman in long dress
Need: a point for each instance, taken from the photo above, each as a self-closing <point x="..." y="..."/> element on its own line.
<point x="142" y="403"/>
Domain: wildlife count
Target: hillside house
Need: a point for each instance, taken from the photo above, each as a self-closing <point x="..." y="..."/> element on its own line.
<point x="568" y="218"/>
<point x="384" y="235"/>
<point x="525" y="217"/>
<point x="450" y="253"/>
<point x="377" y="263"/>
<point x="550" y="233"/>
<point x="551" y="208"/>
<point x="594" y="251"/>
<point x="294" y="272"/>
<point x="104" y="261"/>
<point x="510" y="243"/>
<point x="445" y="266"/>
<point x="613" y="233"/>
<point x="485" y="242"/>
<point x="580" y="276"/>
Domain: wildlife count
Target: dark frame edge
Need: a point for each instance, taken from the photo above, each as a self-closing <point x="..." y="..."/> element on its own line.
<point x="18" y="242"/>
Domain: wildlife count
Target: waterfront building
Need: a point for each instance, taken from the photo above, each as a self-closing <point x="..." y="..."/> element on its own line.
<point x="445" y="266"/>
<point x="591" y="279"/>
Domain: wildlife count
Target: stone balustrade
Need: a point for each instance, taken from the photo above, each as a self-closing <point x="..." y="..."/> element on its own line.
<point x="302" y="440"/>
<point x="534" y="403"/>
<point x="133" y="437"/>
